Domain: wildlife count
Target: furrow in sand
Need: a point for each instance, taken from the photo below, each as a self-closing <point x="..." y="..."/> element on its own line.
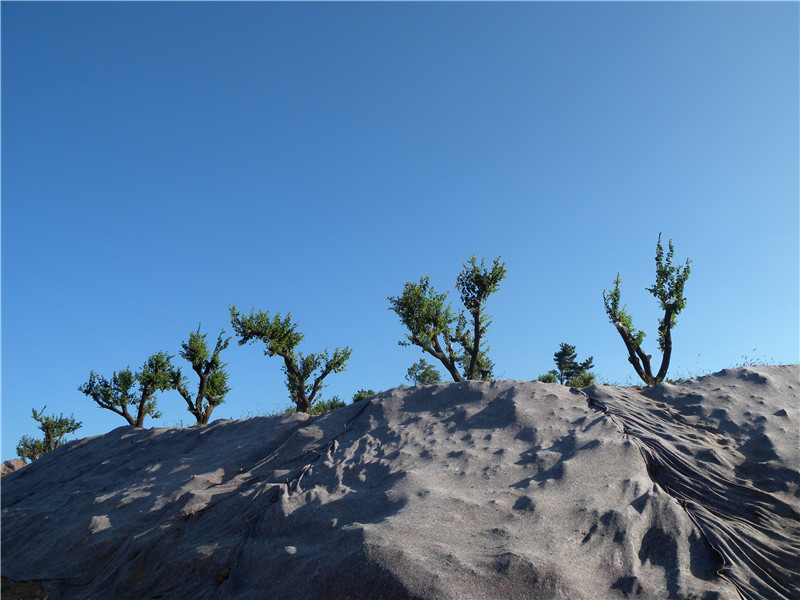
<point x="754" y="532"/>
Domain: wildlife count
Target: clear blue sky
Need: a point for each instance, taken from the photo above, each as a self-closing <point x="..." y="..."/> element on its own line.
<point x="161" y="161"/>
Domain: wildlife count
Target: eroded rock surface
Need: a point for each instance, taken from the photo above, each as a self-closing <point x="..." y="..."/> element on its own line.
<point x="9" y="466"/>
<point x="509" y="489"/>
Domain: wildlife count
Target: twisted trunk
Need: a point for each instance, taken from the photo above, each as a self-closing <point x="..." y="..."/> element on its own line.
<point x="636" y="356"/>
<point x="439" y="354"/>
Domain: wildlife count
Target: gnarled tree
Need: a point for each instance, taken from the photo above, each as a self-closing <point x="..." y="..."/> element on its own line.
<point x="430" y="321"/>
<point x="668" y="289"/>
<point x="117" y="394"/>
<point x="436" y="328"/>
<point x="54" y="429"/>
<point x="304" y="373"/>
<point x="213" y="384"/>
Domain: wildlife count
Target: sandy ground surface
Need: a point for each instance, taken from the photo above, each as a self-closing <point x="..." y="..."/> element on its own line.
<point x="509" y="489"/>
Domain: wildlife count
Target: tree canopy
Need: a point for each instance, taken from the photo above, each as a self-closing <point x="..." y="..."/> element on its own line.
<point x="117" y="394"/>
<point x="213" y="379"/>
<point x="304" y="373"/>
<point x="430" y="321"/>
<point x="423" y="373"/>
<point x="568" y="368"/>
<point x="454" y="339"/>
<point x="475" y="283"/>
<point x="54" y="429"/>
<point x="363" y="395"/>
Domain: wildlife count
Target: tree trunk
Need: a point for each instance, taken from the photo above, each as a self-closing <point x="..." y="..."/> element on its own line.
<point x="185" y="395"/>
<point x="635" y="354"/>
<point x="662" y="372"/>
<point x="475" y="350"/>
<point x="207" y="414"/>
<point x="439" y="354"/>
<point x="302" y="402"/>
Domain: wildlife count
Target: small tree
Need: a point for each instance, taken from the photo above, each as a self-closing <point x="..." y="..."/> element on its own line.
<point x="363" y="395"/>
<point x="476" y="283"/>
<point x="156" y="375"/>
<point x="322" y="406"/>
<point x="280" y="336"/>
<point x="434" y="327"/>
<point x="668" y="289"/>
<point x="54" y="429"/>
<point x="423" y="373"/>
<point x="581" y="380"/>
<point x="213" y="385"/>
<point x="549" y="377"/>
<point x="567" y="366"/>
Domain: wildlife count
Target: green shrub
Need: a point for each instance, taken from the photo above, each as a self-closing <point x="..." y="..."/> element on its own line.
<point x="549" y="377"/>
<point x="54" y="429"/>
<point x="363" y="395"/>
<point x="423" y="373"/>
<point x="325" y="405"/>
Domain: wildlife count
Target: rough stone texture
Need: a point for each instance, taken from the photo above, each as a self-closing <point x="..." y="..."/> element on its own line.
<point x="508" y="489"/>
<point x="12" y="465"/>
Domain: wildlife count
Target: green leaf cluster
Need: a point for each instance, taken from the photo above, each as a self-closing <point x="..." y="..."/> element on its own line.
<point x="475" y="283"/>
<point x="567" y="364"/>
<point x="581" y="380"/>
<point x="549" y="377"/>
<point x="423" y="373"/>
<point x="54" y="428"/>
<point x="322" y="406"/>
<point x="427" y="315"/>
<point x="668" y="289"/>
<point x="620" y="315"/>
<point x="363" y="395"/>
<point x="279" y="334"/>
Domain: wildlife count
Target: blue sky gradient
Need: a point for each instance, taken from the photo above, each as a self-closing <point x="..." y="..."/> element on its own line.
<point x="161" y="161"/>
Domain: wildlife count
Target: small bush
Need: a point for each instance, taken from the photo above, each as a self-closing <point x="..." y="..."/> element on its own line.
<point x="581" y="380"/>
<point x="423" y="373"/>
<point x="325" y="405"/>
<point x="549" y="377"/>
<point x="363" y="395"/>
<point x="54" y="429"/>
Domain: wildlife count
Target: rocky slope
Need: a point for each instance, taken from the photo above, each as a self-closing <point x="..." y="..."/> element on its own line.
<point x="509" y="489"/>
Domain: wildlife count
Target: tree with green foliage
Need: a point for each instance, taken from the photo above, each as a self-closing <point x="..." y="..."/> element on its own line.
<point x="363" y="395"/>
<point x="436" y="328"/>
<point x="568" y="370"/>
<point x="423" y="373"/>
<point x="430" y="320"/>
<point x="117" y="393"/>
<point x="668" y="289"/>
<point x="475" y="283"/>
<point x="304" y="373"/>
<point x="213" y="384"/>
<point x="54" y="429"/>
